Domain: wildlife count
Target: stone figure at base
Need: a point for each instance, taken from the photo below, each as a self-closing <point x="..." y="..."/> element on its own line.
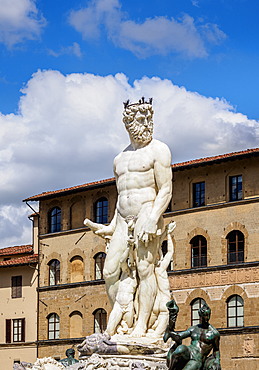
<point x="159" y="318"/>
<point x="102" y="344"/>
<point x="144" y="185"/>
<point x="70" y="360"/>
<point x="123" y="309"/>
<point x="204" y="339"/>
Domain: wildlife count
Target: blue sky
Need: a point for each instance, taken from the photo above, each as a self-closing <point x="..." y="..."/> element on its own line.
<point x="66" y="67"/>
<point x="227" y="67"/>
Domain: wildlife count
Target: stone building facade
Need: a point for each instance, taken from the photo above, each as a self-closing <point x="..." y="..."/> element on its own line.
<point x="215" y="205"/>
<point x="18" y="305"/>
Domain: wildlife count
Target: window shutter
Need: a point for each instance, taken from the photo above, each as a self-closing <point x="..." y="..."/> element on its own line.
<point x="16" y="286"/>
<point x="23" y="330"/>
<point x="8" y="325"/>
<point x="19" y="287"/>
<point x="13" y="286"/>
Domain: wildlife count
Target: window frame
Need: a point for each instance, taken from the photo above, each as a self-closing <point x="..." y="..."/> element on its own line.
<point x="56" y="273"/>
<point x="101" y="218"/>
<point x="237" y="251"/>
<point x="235" y="307"/>
<point x="200" y="255"/>
<point x="102" y="257"/>
<point x="200" y="199"/>
<point x="201" y="302"/>
<point x="102" y="320"/>
<point x="16" y="291"/>
<point x="234" y="196"/>
<point x="55" y="220"/>
<point x="56" y="323"/>
<point x="19" y="336"/>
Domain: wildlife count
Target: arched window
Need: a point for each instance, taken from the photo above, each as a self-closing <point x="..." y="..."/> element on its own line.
<point x="164" y="251"/>
<point x="53" y="326"/>
<point x="235" y="313"/>
<point x="77" y="269"/>
<point x="235" y="242"/>
<point x="76" y="324"/>
<point x="99" y="263"/>
<point x="77" y="215"/>
<point x="55" y="220"/>
<point x="101" y="211"/>
<point x="100" y="320"/>
<point x="199" y="251"/>
<point x="54" y="272"/>
<point x="195" y="306"/>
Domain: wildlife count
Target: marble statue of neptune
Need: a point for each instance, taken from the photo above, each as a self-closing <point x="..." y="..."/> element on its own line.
<point x="144" y="184"/>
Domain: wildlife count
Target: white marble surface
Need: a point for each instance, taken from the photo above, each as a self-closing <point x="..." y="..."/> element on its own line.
<point x="137" y="286"/>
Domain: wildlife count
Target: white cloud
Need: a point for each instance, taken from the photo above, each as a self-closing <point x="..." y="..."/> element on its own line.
<point x="69" y="129"/>
<point x="212" y="33"/>
<point x="73" y="49"/>
<point x="195" y="3"/>
<point x="158" y="35"/>
<point x="14" y="225"/>
<point x="19" y="20"/>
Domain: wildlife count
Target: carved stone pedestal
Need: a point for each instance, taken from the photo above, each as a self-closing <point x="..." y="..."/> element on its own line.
<point x="123" y="362"/>
<point x="100" y="351"/>
<point x="105" y="362"/>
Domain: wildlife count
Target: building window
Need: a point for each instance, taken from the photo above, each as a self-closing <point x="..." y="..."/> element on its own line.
<point x="100" y="321"/>
<point x="99" y="263"/>
<point x="76" y="324"/>
<point x="16" y="286"/>
<point x="235" y="307"/>
<point x="77" y="215"/>
<point x="164" y="251"/>
<point x="55" y="220"/>
<point x="54" y="272"/>
<point x="195" y="306"/>
<point x="101" y="211"/>
<point x="235" y="243"/>
<point x="199" y="194"/>
<point x="235" y="187"/>
<point x="77" y="269"/>
<point x="53" y="326"/>
<point x="199" y="251"/>
<point x="19" y="330"/>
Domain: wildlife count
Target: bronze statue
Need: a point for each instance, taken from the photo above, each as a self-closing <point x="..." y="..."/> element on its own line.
<point x="204" y="338"/>
<point x="70" y="360"/>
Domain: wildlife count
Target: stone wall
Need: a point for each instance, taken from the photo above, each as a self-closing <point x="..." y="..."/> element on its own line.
<point x="214" y="283"/>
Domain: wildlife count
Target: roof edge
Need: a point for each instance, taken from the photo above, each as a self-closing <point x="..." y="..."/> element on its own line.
<point x="175" y="167"/>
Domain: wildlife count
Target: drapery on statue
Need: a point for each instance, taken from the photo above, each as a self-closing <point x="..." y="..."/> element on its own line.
<point x="204" y="338"/>
<point x="144" y="184"/>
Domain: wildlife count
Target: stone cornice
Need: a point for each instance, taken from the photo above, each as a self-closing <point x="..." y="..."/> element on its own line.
<point x="18" y="344"/>
<point x="71" y="285"/>
<point x="211" y="206"/>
